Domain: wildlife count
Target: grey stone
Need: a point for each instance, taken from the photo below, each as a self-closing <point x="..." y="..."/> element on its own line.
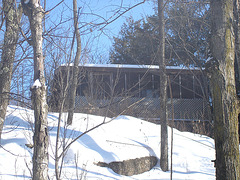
<point x="132" y="166"/>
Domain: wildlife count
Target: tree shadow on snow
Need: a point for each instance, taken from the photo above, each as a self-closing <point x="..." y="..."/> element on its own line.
<point x="97" y="175"/>
<point x="87" y="141"/>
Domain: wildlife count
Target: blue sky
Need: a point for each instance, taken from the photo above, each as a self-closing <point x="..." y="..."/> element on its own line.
<point x="112" y="6"/>
<point x="97" y="11"/>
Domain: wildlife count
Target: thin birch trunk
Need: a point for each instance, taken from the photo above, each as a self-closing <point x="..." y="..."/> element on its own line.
<point x="35" y="14"/>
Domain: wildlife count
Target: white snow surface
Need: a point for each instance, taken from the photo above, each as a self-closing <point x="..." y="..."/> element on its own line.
<point x="133" y="66"/>
<point x="122" y="138"/>
<point x="209" y="59"/>
<point x="26" y="1"/>
<point x="36" y="84"/>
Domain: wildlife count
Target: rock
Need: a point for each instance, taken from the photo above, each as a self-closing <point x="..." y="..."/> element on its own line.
<point x="132" y="166"/>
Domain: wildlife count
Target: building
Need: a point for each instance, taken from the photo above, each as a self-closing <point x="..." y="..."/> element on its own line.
<point x="112" y="89"/>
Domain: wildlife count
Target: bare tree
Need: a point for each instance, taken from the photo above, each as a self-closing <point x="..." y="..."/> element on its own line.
<point x="225" y="103"/>
<point x="163" y="89"/>
<point x="236" y="13"/>
<point x="75" y="67"/>
<point x="35" y="14"/>
<point x="12" y="19"/>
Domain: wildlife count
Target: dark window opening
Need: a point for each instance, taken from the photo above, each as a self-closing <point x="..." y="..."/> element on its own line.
<point x="187" y="86"/>
<point x="175" y="86"/>
<point x="99" y="85"/>
<point x="198" y="86"/>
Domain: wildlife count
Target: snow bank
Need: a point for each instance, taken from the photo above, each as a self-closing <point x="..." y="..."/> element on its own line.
<point x="123" y="138"/>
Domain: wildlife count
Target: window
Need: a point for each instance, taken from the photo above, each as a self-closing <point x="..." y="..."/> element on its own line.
<point x="198" y="86"/>
<point x="187" y="86"/>
<point x="175" y="86"/>
<point x="100" y="85"/>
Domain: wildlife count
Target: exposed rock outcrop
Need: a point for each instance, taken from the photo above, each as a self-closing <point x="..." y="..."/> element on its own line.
<point x="132" y="166"/>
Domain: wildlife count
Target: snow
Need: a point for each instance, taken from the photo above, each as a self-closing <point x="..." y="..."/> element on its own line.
<point x="36" y="4"/>
<point x="134" y="66"/>
<point x="26" y="1"/>
<point x="209" y="59"/>
<point x="121" y="138"/>
<point x="36" y="84"/>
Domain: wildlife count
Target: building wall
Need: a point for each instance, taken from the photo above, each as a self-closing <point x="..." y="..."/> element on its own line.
<point x="136" y="93"/>
<point x="118" y="82"/>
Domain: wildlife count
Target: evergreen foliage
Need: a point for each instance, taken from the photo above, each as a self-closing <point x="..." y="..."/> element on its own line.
<point x="187" y="37"/>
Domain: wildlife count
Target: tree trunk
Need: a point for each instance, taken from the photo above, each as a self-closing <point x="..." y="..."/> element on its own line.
<point x="12" y="19"/>
<point x="73" y="86"/>
<point x="236" y="13"/>
<point x="163" y="89"/>
<point x="222" y="78"/>
<point x="35" y="15"/>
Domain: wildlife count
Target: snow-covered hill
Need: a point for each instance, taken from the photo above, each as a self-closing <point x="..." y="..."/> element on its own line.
<point x="120" y="139"/>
